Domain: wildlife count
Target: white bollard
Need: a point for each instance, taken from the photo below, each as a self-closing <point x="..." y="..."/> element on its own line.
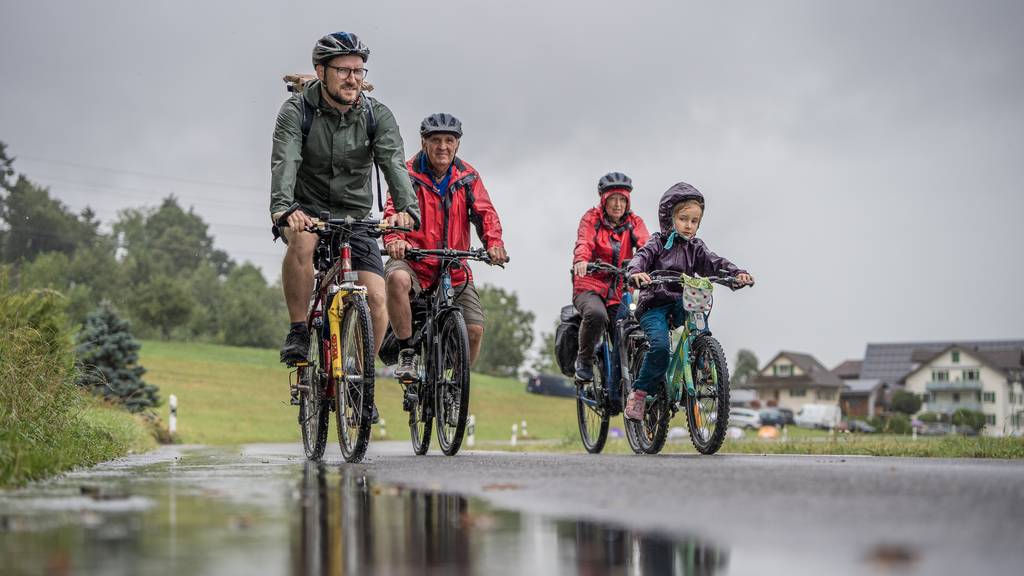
<point x="515" y="431"/>
<point x="785" y="433"/>
<point x="172" y="422"/>
<point x="913" y="433"/>
<point x="383" y="429"/>
<point x="471" y="431"/>
<point x="522" y="429"/>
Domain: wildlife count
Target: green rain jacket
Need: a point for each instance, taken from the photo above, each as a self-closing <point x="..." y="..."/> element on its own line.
<point x="332" y="172"/>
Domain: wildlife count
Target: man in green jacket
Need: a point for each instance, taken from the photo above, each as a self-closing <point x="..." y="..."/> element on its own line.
<point x="329" y="169"/>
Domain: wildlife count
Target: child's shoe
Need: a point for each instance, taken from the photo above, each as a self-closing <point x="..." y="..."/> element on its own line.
<point x="635" y="405"/>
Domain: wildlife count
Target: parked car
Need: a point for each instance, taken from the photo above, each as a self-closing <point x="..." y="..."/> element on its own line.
<point x="772" y="417"/>
<point x="744" y="418"/>
<point x="787" y="414"/>
<point x="935" y="429"/>
<point x="818" y="416"/>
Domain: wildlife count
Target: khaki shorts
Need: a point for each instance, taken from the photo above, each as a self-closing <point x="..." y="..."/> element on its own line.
<point x="468" y="300"/>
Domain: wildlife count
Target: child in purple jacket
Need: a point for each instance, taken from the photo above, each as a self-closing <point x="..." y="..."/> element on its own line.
<point x="674" y="248"/>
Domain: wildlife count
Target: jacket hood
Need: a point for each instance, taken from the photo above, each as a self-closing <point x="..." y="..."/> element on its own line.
<point x="674" y="195"/>
<point x="608" y="194"/>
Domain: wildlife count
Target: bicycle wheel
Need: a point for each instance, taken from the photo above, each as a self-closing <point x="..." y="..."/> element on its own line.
<point x="354" y="394"/>
<point x="647" y="436"/>
<point x="707" y="413"/>
<point x="421" y="408"/>
<point x="451" y="385"/>
<point x="313" y="411"/>
<point x="591" y="413"/>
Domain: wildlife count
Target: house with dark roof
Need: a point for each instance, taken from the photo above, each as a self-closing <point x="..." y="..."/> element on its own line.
<point x="986" y="379"/>
<point x="859" y="398"/>
<point x="792" y="379"/>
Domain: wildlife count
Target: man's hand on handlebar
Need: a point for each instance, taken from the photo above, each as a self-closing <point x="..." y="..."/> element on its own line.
<point x="396" y="249"/>
<point x="640" y="278"/>
<point x="498" y="255"/>
<point x="580" y="268"/>
<point x="402" y="220"/>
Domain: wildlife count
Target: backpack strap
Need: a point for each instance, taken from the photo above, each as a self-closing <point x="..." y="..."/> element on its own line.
<point x="308" y="112"/>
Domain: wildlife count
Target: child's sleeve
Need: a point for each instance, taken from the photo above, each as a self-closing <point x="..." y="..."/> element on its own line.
<point x="641" y="261"/>
<point x="707" y="263"/>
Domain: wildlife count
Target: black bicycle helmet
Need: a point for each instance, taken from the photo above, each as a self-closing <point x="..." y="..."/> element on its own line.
<point x="441" y="123"/>
<point x="339" y="44"/>
<point x="614" y="180"/>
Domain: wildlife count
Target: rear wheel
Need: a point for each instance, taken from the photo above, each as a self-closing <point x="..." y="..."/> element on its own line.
<point x="591" y="410"/>
<point x="313" y="410"/>
<point x="707" y="413"/>
<point x="451" y="388"/>
<point x="354" y="395"/>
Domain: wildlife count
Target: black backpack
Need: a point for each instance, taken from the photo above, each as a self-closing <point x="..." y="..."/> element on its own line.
<point x="309" y="112"/>
<point x="567" y="340"/>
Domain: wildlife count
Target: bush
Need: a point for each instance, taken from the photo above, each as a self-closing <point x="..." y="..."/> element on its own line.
<point x="905" y="402"/>
<point x="897" y="424"/>
<point x="929" y="417"/>
<point x="108" y="356"/>
<point x="972" y="418"/>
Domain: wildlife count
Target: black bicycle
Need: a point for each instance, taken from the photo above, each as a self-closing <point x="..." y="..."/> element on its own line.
<point x="338" y="374"/>
<point x="440" y="390"/>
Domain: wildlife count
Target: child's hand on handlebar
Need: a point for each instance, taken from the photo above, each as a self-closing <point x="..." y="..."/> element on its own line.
<point x="640" y="278"/>
<point x="744" y="279"/>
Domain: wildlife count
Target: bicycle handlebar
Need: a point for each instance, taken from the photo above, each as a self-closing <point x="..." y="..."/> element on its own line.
<point x="727" y="281"/>
<point x="478" y="254"/>
<point x="325" y="224"/>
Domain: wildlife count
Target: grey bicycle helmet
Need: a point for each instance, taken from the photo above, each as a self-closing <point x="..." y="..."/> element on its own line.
<point x="441" y="123"/>
<point x="339" y="44"/>
<point x="614" y="180"/>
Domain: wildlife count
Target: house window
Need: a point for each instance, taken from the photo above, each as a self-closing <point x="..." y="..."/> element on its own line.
<point x="990" y="419"/>
<point x="783" y="370"/>
<point x="956" y="396"/>
<point x="989" y="397"/>
<point x="940" y="375"/>
<point x="956" y="356"/>
<point x="826" y="394"/>
<point x="973" y="375"/>
<point x="798" y="392"/>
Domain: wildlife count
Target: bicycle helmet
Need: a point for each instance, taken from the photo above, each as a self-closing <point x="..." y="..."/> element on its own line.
<point x="614" y="180"/>
<point x="441" y="123"/>
<point x="339" y="44"/>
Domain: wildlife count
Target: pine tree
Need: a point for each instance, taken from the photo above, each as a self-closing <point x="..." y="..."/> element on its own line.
<point x="108" y="355"/>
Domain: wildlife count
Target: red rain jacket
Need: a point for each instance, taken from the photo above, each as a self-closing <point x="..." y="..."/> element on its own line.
<point x="466" y="202"/>
<point x="597" y="239"/>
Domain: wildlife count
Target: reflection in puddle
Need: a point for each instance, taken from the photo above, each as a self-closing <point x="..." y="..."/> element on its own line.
<point x="348" y="525"/>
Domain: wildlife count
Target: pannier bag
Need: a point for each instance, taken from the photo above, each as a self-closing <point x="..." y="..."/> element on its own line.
<point x="567" y="340"/>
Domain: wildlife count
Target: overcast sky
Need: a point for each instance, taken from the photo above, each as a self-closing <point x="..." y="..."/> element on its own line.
<point x="862" y="160"/>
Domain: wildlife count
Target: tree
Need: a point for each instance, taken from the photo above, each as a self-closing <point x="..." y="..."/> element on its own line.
<point x="37" y="223"/>
<point x="745" y="367"/>
<point x="972" y="418"/>
<point x="509" y="332"/>
<point x="254" y="314"/>
<point x="6" y="168"/>
<point x="905" y="402"/>
<point x="108" y="357"/>
<point x="544" y="362"/>
<point x="162" y="304"/>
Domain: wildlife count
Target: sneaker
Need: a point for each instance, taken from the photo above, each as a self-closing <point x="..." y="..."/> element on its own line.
<point x="635" y="405"/>
<point x="406" y="370"/>
<point x="296" y="346"/>
<point x="584" y="371"/>
<point x="374" y="415"/>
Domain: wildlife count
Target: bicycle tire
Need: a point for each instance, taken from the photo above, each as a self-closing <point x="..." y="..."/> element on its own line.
<point x="592" y="419"/>
<point x="711" y="403"/>
<point x="314" y="415"/>
<point x="354" y="394"/>
<point x="451" y="384"/>
<point x="421" y="415"/>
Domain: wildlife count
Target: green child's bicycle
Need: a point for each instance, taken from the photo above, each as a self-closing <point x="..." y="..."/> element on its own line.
<point x="697" y="378"/>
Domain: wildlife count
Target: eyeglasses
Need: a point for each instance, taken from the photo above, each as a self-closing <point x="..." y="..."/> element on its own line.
<point x="344" y="72"/>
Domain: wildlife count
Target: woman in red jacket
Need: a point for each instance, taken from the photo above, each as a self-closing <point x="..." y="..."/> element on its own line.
<point x="609" y="233"/>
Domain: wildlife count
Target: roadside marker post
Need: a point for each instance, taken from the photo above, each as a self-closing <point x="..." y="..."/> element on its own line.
<point x="383" y="429"/>
<point x="471" y="431"/>
<point x="515" y="432"/>
<point x="172" y="421"/>
<point x="522" y="429"/>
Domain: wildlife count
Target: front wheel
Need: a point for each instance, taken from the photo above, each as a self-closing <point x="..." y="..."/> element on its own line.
<point x="591" y="410"/>
<point x="419" y="403"/>
<point x="451" y="389"/>
<point x="707" y="413"/>
<point x="354" y="395"/>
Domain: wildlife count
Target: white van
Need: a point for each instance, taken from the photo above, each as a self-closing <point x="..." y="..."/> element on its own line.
<point x="818" y="416"/>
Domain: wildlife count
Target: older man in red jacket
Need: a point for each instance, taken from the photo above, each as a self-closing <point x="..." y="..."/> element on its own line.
<point x="451" y="194"/>
<point x="610" y="233"/>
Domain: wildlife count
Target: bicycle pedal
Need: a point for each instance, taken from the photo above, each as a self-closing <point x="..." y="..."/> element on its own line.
<point x="299" y="364"/>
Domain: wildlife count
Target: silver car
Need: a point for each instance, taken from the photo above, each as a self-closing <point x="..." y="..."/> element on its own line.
<point x="744" y="418"/>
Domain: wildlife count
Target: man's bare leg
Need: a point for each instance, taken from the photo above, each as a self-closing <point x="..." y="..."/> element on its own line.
<point x="399" y="283"/>
<point x="297" y="273"/>
<point x="476" y="338"/>
<point x="378" y="306"/>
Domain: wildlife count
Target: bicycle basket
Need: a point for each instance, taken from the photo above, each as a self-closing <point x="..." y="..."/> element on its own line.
<point x="696" y="294"/>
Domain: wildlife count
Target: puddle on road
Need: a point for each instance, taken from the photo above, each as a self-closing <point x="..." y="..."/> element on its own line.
<point x="205" y="515"/>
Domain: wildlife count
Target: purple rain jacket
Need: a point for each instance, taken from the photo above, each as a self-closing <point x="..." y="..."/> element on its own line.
<point x="684" y="256"/>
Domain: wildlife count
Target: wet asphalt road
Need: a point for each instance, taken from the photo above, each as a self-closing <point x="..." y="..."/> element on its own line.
<point x="260" y="509"/>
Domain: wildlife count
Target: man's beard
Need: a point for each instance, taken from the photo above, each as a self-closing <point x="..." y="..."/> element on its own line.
<point x="336" y="95"/>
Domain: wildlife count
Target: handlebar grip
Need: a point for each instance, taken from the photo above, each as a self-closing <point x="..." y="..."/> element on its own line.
<point x="282" y="221"/>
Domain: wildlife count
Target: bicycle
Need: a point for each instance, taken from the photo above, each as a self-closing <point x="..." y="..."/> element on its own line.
<point x="440" y="391"/>
<point x="697" y="378"/>
<point x="338" y="374"/>
<point x="594" y="403"/>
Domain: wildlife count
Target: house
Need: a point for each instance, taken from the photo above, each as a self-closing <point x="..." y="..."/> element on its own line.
<point x="792" y="379"/>
<point x="859" y="398"/>
<point x="987" y="380"/>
